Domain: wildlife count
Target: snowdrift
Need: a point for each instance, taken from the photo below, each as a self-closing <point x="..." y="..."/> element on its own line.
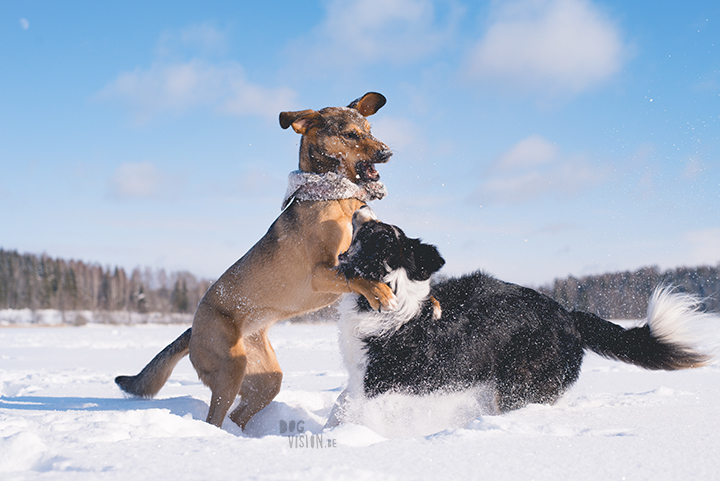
<point x="62" y="417"/>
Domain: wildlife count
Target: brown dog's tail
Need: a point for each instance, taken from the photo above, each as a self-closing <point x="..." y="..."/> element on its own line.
<point x="156" y="373"/>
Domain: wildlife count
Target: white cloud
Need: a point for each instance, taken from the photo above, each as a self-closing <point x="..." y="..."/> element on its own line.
<point x="133" y="180"/>
<point x="549" y="45"/>
<point x="529" y="152"/>
<point x="177" y="86"/>
<point x="203" y="40"/>
<point x="704" y="245"/>
<point x="359" y="32"/>
<point x="533" y="168"/>
<point x="24" y="24"/>
<point x="400" y="134"/>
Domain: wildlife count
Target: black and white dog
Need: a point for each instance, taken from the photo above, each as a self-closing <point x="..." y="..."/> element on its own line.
<point x="475" y="330"/>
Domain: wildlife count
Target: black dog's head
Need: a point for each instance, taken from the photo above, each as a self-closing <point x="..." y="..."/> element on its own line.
<point x="378" y="249"/>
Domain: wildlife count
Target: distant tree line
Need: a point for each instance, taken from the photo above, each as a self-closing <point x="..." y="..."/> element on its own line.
<point x="28" y="281"/>
<point x="625" y="295"/>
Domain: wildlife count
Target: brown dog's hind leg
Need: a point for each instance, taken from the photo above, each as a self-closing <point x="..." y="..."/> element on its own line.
<point x="225" y="385"/>
<point x="262" y="381"/>
<point x="217" y="352"/>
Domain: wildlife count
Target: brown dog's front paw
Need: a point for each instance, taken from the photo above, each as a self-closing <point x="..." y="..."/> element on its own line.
<point x="385" y="297"/>
<point x="378" y="294"/>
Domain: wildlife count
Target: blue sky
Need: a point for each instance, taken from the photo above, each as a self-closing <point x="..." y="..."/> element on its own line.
<point x="534" y="138"/>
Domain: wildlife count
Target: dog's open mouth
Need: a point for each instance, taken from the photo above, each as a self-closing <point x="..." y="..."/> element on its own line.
<point x="366" y="172"/>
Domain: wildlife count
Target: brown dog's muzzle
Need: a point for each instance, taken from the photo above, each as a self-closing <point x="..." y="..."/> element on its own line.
<point x="366" y="170"/>
<point x="383" y="156"/>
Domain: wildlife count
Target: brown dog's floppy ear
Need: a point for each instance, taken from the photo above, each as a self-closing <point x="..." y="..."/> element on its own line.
<point x="300" y="120"/>
<point x="368" y="104"/>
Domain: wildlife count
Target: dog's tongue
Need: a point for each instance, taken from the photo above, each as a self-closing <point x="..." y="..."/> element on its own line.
<point x="367" y="172"/>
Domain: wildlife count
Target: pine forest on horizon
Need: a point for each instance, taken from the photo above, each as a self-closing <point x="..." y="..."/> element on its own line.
<point x="29" y="281"/>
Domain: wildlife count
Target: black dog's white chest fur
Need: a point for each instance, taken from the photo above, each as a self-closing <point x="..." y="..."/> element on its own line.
<point x="358" y="323"/>
<point x="520" y="343"/>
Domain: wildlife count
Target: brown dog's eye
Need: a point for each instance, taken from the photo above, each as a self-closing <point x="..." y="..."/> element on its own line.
<point x="351" y="135"/>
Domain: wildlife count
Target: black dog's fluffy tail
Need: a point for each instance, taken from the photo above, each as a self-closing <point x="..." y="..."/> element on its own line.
<point x="663" y="342"/>
<point x="156" y="373"/>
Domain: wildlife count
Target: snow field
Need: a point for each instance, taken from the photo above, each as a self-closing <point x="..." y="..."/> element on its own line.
<point x="62" y="417"/>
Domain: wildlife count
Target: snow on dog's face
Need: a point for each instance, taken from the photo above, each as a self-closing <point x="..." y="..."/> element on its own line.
<point x="379" y="249"/>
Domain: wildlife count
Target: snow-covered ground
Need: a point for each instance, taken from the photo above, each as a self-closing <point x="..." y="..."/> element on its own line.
<point x="54" y="317"/>
<point x="62" y="417"/>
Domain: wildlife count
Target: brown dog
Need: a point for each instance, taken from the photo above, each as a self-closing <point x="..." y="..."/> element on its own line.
<point x="290" y="271"/>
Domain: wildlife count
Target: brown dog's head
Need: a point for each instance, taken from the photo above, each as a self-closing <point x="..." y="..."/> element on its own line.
<point x="338" y="139"/>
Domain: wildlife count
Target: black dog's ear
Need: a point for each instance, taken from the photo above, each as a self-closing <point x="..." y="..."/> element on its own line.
<point x="426" y="260"/>
<point x="368" y="104"/>
<point x="430" y="258"/>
